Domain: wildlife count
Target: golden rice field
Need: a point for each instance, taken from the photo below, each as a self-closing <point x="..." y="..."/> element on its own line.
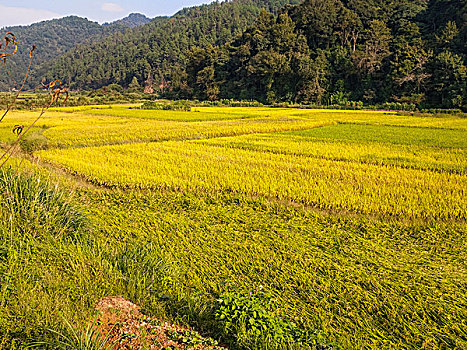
<point x="322" y="183"/>
<point x="355" y="220"/>
<point x="325" y="162"/>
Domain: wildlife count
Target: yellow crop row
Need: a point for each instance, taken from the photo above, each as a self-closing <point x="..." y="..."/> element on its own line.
<point x="324" y="183"/>
<point x="345" y="116"/>
<point x="122" y="125"/>
<point x="119" y="124"/>
<point x="410" y="156"/>
<point x="123" y="130"/>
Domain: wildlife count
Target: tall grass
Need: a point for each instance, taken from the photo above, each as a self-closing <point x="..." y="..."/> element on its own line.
<point x="89" y="338"/>
<point x="32" y="206"/>
<point x="48" y="266"/>
<point x="40" y="231"/>
<point x="54" y="266"/>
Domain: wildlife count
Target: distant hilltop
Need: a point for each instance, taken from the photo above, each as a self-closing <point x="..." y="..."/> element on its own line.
<point x="55" y="37"/>
<point x="131" y="21"/>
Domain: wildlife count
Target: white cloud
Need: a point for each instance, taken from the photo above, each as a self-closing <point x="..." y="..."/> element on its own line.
<point x="111" y="7"/>
<point x="12" y="16"/>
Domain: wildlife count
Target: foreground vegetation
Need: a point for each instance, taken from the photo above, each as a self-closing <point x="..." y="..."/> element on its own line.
<point x="331" y="228"/>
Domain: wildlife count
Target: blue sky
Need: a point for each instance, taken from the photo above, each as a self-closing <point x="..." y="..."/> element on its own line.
<point x="24" y="12"/>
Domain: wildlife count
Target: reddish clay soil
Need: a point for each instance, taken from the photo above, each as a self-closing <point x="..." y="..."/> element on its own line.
<point x="127" y="328"/>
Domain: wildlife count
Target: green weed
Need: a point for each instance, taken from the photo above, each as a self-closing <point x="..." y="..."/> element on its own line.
<point x="72" y="338"/>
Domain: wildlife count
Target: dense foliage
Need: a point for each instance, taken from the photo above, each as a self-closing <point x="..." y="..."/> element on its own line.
<point x="320" y="51"/>
<point x="333" y="51"/>
<point x="155" y="54"/>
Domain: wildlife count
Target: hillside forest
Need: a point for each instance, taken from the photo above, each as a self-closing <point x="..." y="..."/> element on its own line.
<point x="319" y="51"/>
<point x="55" y="37"/>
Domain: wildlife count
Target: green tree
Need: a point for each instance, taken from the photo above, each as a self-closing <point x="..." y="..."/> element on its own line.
<point x="313" y="78"/>
<point x="318" y="20"/>
<point x="447" y="36"/>
<point x="448" y="86"/>
<point x="376" y="48"/>
<point x="409" y="60"/>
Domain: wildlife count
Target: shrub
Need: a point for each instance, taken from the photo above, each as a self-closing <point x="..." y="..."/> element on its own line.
<point x="34" y="141"/>
<point x="251" y="318"/>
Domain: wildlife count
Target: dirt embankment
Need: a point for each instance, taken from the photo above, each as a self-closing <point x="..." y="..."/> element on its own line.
<point x="127" y="328"/>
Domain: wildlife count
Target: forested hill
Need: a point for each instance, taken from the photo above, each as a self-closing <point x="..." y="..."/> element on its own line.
<point x="333" y="51"/>
<point x="55" y="37"/>
<point x="315" y="51"/>
<point x="155" y="53"/>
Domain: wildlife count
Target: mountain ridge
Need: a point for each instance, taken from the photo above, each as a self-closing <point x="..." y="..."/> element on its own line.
<point x="55" y="37"/>
<point x="157" y="51"/>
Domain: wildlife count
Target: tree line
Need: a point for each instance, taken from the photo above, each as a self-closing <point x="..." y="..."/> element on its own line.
<point x="316" y="51"/>
<point x="334" y="51"/>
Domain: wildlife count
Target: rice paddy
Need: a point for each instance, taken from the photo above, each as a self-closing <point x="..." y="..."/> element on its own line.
<point x="354" y="220"/>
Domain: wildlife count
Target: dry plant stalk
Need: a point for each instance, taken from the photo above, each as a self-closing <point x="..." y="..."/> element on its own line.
<point x="55" y="91"/>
